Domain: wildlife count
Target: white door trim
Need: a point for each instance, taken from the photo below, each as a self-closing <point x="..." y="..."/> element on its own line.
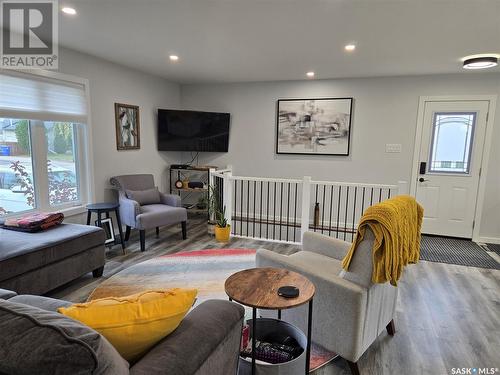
<point x="484" y="156"/>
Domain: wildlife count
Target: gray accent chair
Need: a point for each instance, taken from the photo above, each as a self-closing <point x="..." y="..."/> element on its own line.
<point x="206" y="342"/>
<point x="167" y="212"/>
<point x="349" y="310"/>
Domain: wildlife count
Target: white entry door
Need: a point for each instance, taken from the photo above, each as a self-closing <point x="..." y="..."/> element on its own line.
<point x="451" y="150"/>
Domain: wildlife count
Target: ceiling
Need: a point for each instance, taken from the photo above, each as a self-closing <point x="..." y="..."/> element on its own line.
<point x="268" y="40"/>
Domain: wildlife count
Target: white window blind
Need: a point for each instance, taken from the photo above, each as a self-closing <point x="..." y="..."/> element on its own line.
<point x="24" y="95"/>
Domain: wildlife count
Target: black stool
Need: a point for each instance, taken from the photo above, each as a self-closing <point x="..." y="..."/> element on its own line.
<point x="106" y="208"/>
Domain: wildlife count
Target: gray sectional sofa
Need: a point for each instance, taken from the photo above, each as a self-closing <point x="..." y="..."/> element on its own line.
<point x="35" y="263"/>
<point x="37" y="339"/>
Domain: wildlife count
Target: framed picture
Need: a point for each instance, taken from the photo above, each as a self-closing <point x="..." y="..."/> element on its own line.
<point x="107" y="225"/>
<point x="313" y="126"/>
<point x="127" y="127"/>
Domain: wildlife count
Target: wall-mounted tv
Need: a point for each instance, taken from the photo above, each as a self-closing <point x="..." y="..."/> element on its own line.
<point x="192" y="131"/>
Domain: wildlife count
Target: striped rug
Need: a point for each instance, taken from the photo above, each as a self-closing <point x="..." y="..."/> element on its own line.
<point x="205" y="270"/>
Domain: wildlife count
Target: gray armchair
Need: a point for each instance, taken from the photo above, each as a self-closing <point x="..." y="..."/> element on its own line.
<point x="162" y="210"/>
<point x="349" y="310"/>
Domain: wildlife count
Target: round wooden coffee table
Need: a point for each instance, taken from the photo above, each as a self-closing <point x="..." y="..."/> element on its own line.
<point x="258" y="289"/>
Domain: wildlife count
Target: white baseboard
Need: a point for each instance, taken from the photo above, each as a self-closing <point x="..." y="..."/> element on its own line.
<point x="494" y="240"/>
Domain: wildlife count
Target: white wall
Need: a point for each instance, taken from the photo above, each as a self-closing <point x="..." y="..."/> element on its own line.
<point x="110" y="83"/>
<point x="385" y="111"/>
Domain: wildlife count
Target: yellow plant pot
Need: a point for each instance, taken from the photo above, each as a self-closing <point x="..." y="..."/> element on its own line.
<point x="222" y="234"/>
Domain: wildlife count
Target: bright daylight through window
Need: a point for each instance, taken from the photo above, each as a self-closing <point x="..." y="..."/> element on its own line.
<point x="452" y="142"/>
<point x="42" y="163"/>
<point x="18" y="183"/>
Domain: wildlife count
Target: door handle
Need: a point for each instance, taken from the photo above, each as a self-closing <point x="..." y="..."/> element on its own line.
<point x="421" y="179"/>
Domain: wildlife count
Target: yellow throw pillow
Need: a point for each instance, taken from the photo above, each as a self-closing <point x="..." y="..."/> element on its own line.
<point x="133" y="324"/>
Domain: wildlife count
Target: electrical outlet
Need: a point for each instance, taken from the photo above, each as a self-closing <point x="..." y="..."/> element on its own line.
<point x="393" y="147"/>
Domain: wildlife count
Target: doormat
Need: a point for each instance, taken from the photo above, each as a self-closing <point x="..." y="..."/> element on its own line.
<point x="455" y="251"/>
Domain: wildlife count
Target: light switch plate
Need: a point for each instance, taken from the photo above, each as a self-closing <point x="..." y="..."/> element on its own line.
<point x="393" y="147"/>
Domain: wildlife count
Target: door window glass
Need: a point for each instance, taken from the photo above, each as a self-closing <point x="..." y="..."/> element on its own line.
<point x="451" y="145"/>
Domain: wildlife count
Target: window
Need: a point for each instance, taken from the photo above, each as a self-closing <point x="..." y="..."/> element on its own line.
<point x="43" y="141"/>
<point x="61" y="162"/>
<point x="451" y="144"/>
<point x="16" y="167"/>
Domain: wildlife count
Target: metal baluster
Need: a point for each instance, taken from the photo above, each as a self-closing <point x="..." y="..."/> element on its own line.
<point x="323" y="210"/>
<point x="354" y="213"/>
<point x="346" y="210"/>
<point x="281" y="206"/>
<point x="295" y="214"/>
<point x="241" y="209"/>
<point x="363" y="202"/>
<point x="287" y="211"/>
<point x="388" y="193"/>
<point x="380" y="195"/>
<point x="338" y="211"/>
<point x="371" y="197"/>
<point x="267" y="212"/>
<point x="248" y="206"/>
<point x="314" y="211"/>
<point x="254" y="201"/>
<point x="274" y="210"/>
<point x="260" y="210"/>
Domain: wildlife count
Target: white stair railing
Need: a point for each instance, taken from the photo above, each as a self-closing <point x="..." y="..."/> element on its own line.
<point x="277" y="209"/>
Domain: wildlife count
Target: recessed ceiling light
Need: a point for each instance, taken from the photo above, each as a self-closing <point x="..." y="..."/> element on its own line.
<point x="350" y="47"/>
<point x="173" y="58"/>
<point x="69" y="10"/>
<point x="481" y="62"/>
<point x="310" y="74"/>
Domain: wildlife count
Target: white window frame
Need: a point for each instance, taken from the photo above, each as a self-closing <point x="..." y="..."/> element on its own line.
<point x="84" y="156"/>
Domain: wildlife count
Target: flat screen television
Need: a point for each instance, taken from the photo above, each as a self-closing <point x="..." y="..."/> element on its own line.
<point x="192" y="131"/>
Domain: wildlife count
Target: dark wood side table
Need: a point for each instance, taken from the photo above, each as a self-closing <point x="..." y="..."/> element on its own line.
<point x="106" y="208"/>
<point x="258" y="289"/>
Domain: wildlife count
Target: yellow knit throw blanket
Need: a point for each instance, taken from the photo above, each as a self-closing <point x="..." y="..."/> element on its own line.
<point x="396" y="225"/>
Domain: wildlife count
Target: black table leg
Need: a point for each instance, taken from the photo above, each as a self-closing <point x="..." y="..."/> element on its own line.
<point x="279" y="314"/>
<point x="309" y="326"/>
<point x="88" y="217"/>
<point x="120" y="230"/>
<point x="254" y="334"/>
<point x="99" y="213"/>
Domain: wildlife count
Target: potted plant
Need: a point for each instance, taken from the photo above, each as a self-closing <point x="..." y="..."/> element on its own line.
<point x="213" y="207"/>
<point x="222" y="228"/>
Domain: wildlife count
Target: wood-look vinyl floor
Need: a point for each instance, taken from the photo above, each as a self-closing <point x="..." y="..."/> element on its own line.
<point x="447" y="317"/>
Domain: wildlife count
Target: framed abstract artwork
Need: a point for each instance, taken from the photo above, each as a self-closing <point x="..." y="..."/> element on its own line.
<point x="313" y="126"/>
<point x="127" y="127"/>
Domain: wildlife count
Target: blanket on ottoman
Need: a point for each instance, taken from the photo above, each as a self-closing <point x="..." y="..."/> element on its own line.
<point x="34" y="222"/>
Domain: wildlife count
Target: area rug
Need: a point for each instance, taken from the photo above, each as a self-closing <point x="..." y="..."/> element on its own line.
<point x="455" y="251"/>
<point x="205" y="270"/>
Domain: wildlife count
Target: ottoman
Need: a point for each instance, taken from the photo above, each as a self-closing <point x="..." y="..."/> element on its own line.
<point x="35" y="263"/>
